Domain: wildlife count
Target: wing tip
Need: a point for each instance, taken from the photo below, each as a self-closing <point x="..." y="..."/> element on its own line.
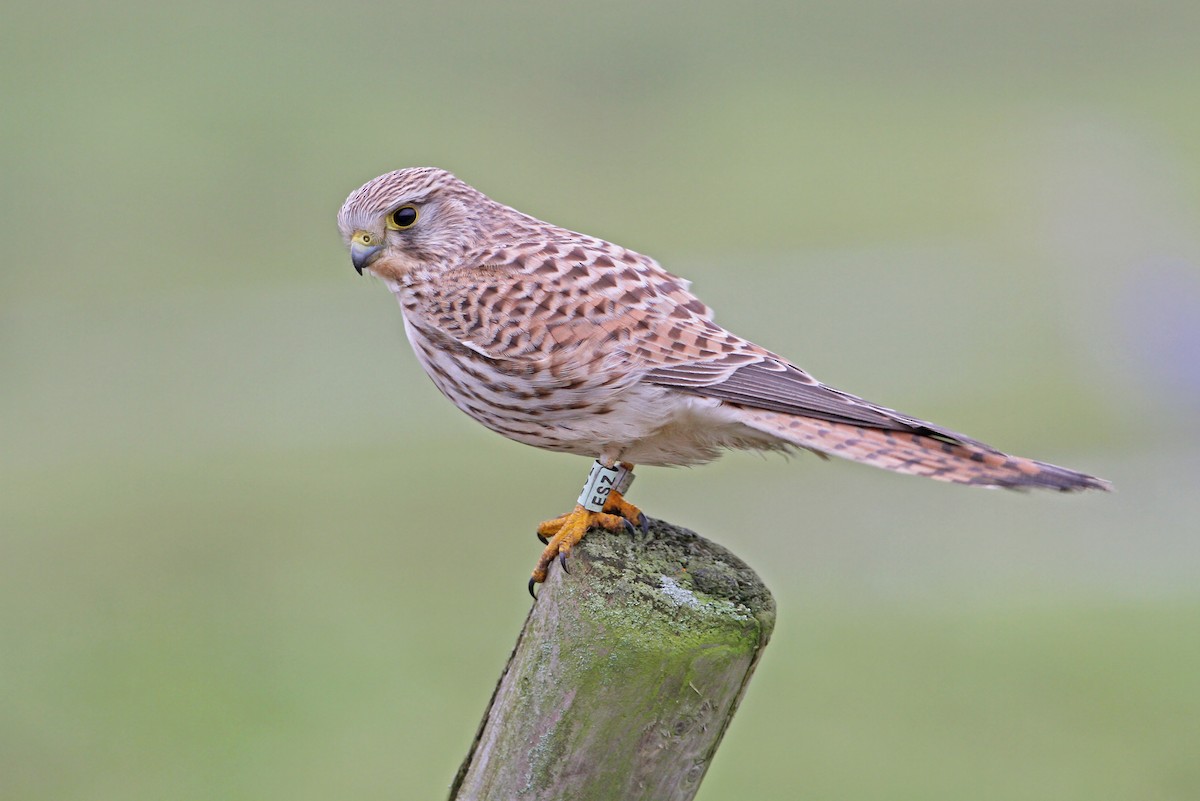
<point x="1031" y="474"/>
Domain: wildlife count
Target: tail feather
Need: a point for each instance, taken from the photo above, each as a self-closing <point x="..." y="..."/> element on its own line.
<point x="936" y="457"/>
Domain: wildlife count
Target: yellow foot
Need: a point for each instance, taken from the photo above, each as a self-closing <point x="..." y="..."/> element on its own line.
<point x="615" y="505"/>
<point x="566" y="531"/>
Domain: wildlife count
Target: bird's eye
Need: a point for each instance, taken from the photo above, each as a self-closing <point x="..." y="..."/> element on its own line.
<point x="403" y="217"/>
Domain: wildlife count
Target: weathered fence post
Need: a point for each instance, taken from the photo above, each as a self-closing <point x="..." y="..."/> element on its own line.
<point x="625" y="676"/>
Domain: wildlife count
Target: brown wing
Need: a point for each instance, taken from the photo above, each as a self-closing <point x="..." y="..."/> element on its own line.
<point x="568" y="298"/>
<point x="774" y="384"/>
<point x="779" y="398"/>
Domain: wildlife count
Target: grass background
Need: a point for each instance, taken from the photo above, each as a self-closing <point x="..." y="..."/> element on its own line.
<point x="247" y="551"/>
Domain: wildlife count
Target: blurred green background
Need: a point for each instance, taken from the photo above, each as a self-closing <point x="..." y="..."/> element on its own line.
<point x="248" y="552"/>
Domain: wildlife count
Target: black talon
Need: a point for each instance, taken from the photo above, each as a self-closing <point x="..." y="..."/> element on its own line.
<point x="532" y="594"/>
<point x="562" y="560"/>
<point x="629" y="526"/>
<point x="545" y="541"/>
<point x="643" y="522"/>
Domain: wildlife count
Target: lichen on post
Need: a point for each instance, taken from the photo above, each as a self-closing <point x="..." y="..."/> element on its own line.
<point x="625" y="675"/>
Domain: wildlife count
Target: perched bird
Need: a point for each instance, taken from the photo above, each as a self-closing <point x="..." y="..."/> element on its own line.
<point x="567" y="342"/>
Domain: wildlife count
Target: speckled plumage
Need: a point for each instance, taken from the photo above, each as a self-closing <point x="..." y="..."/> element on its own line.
<point x="571" y="343"/>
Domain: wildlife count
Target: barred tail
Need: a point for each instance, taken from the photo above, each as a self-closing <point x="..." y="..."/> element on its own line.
<point x="933" y="456"/>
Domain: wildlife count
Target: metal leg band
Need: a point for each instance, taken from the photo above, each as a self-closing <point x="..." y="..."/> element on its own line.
<point x="624" y="479"/>
<point x="600" y="481"/>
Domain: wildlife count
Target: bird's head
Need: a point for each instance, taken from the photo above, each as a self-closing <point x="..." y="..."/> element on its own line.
<point x="412" y="219"/>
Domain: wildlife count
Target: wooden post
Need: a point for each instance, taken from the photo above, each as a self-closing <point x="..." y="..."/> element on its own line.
<point x="625" y="676"/>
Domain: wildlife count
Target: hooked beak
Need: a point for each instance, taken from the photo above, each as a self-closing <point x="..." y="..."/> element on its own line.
<point x="365" y="248"/>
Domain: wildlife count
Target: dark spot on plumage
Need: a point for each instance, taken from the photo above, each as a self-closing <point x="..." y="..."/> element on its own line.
<point x="606" y="281"/>
<point x="631" y="298"/>
<point x="576" y="406"/>
<point x="695" y="305"/>
<point x="576" y="254"/>
<point x="488" y="293"/>
<point x="741" y="358"/>
<point x="577" y="271"/>
<point x="515" y="368"/>
<point x="545" y="306"/>
<point x="447" y="379"/>
<point x="548" y="267"/>
<point x="603" y="261"/>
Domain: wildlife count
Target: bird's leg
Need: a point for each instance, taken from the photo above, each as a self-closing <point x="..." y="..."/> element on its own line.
<point x="616" y="503"/>
<point x="592" y="511"/>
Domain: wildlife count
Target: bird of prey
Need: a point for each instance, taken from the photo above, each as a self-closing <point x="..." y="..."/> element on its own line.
<point x="570" y="343"/>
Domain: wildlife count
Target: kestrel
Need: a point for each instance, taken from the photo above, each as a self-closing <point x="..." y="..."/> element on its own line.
<point x="570" y="343"/>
